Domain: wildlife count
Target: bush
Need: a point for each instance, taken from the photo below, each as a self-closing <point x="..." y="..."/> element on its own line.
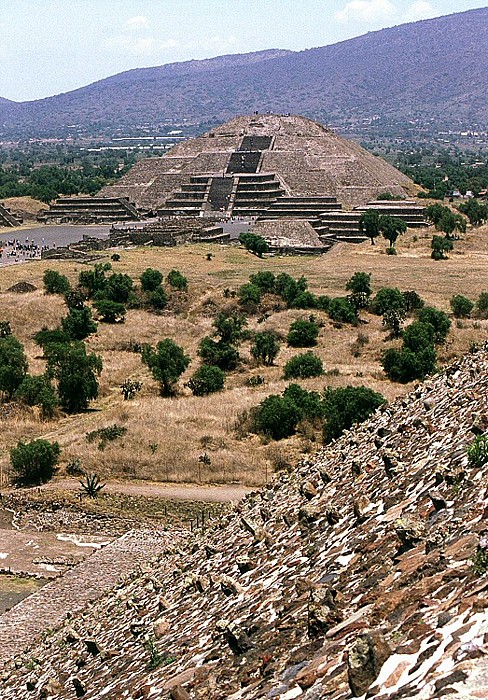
<point x="78" y="324"/>
<point x="54" y="336"/>
<point x="253" y="243"/>
<point x="439" y="321"/>
<point x="176" y="280"/>
<point x="347" y="405"/>
<point x="478" y="451"/>
<point x="206" y="380"/>
<point x="55" y="283"/>
<point x="413" y="301"/>
<point x="303" y="366"/>
<point x="167" y="362"/>
<point x="110" y="311"/>
<point x="304" y="300"/>
<point x="13" y="365"/>
<point x="249" y="295"/>
<point x="288" y="288"/>
<point x="309" y="403"/>
<point x="157" y="299"/>
<point x="277" y="417"/>
<point x="461" y="306"/>
<point x="34" y="462"/>
<point x="302" y="334"/>
<point x="118" y="289"/>
<point x="440" y="247"/>
<point x="150" y="279"/>
<point x="418" y="336"/>
<point x="94" y="281"/>
<point x="405" y="365"/>
<point x="74" y="299"/>
<point x="388" y="298"/>
<point x="341" y="311"/>
<point x="264" y="280"/>
<point x="229" y="327"/>
<point x="360" y="283"/>
<point x="482" y="305"/>
<point x="38" y="391"/>
<point x="265" y="347"/>
<point x="221" y="354"/>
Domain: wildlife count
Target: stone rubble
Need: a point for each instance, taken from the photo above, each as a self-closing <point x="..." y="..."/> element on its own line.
<point x="365" y="588"/>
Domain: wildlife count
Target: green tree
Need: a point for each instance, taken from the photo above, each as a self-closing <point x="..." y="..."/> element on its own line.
<point x="360" y="283"/>
<point x="157" y="298"/>
<point x="386" y="299"/>
<point x="118" y="288"/>
<point x="265" y="280"/>
<point x="439" y="321"/>
<point x="176" y="280"/>
<point x="450" y="222"/>
<point x="151" y="279"/>
<point x="434" y="212"/>
<point x="342" y="311"/>
<point x="249" y="295"/>
<point x="206" y="380"/>
<point x="405" y="365"/>
<point x="303" y="366"/>
<point x="229" y="327"/>
<point x="76" y="374"/>
<point x="302" y="334"/>
<point x="74" y="299"/>
<point x="38" y="391"/>
<point x="94" y="281"/>
<point x="254" y="243"/>
<point x="110" y="311"/>
<point x="440" y="247"/>
<point x="34" y="462"/>
<point x="413" y="301"/>
<point x="13" y="365"/>
<point x="218" y="353"/>
<point x="347" y="405"/>
<point x="51" y="336"/>
<point x="461" y="306"/>
<point x="265" y="347"/>
<point x="391" y="227"/>
<point x="78" y="324"/>
<point x="167" y="363"/>
<point x="476" y="212"/>
<point x="482" y="305"/>
<point x="369" y="224"/>
<point x="55" y="283"/>
<point x="277" y="417"/>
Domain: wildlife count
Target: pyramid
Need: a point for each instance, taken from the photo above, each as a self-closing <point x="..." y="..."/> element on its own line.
<point x="284" y="164"/>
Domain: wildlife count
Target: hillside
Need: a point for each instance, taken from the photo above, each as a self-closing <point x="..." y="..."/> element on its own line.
<point x="361" y="571"/>
<point x="432" y="71"/>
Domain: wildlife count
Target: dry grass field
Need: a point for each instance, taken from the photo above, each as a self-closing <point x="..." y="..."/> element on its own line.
<point x="166" y="436"/>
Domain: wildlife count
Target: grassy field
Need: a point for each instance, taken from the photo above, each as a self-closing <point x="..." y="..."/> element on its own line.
<point x="166" y="436"/>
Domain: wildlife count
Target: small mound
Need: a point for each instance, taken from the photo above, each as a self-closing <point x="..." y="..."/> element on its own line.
<point x="22" y="288"/>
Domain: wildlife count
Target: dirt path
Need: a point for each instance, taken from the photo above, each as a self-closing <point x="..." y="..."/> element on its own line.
<point x="184" y="492"/>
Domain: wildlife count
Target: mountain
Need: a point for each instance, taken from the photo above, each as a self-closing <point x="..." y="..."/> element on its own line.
<point x="433" y="71"/>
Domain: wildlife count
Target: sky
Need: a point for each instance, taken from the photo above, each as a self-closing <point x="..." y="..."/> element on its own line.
<point x="52" y="46"/>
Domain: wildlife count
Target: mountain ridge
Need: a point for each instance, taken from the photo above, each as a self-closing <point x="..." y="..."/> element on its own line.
<point x="430" y="70"/>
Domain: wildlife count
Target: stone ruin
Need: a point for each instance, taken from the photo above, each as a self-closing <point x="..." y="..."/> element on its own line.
<point x="360" y="573"/>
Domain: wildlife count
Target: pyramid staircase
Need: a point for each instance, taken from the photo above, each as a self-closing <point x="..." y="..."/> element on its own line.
<point x="100" y="210"/>
<point x="7" y="218"/>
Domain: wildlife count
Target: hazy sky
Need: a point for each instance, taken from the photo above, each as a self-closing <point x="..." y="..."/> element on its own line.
<point x="53" y="46"/>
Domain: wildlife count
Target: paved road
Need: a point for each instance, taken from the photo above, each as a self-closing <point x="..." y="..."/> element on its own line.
<point x="185" y="492"/>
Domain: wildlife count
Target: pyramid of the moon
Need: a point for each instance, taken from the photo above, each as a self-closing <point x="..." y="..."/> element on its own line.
<point x="252" y="164"/>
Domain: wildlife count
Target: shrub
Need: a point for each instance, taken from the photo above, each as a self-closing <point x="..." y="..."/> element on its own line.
<point x="405" y="365"/>
<point x="129" y="388"/>
<point x="249" y="295"/>
<point x="34" y="462"/>
<point x="461" y="306"/>
<point x="94" y="281"/>
<point x="341" y="311"/>
<point x="304" y="300"/>
<point x="157" y="298"/>
<point x="302" y="334"/>
<point x="107" y="434"/>
<point x="439" y="321"/>
<point x="478" y="451"/>
<point x="176" y="280"/>
<point x="5" y="329"/>
<point x="118" y="288"/>
<point x="54" y="336"/>
<point x="418" y="336"/>
<point x="13" y="365"/>
<point x="323" y="302"/>
<point x="288" y="288"/>
<point x="167" y="362"/>
<point x="110" y="311"/>
<point x="387" y="298"/>
<point x="265" y="347"/>
<point x="413" y="301"/>
<point x="303" y="366"/>
<point x="345" y="406"/>
<point x="74" y="299"/>
<point x="253" y="243"/>
<point x="309" y="403"/>
<point x="38" y="391"/>
<point x="229" y="327"/>
<point x="221" y="354"/>
<point x="393" y="319"/>
<point x="277" y="417"/>
<point x="391" y="227"/>
<point x="150" y="279"/>
<point x="360" y="283"/>
<point x="440" y="246"/>
<point x="482" y="305"/>
<point x="206" y="380"/>
<point x="55" y="283"/>
<point x="78" y="324"/>
<point x="264" y="280"/>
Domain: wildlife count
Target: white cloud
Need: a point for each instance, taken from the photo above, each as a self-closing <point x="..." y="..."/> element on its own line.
<point x="421" y="9"/>
<point x="147" y="46"/>
<point x="136" y="23"/>
<point x="365" y="11"/>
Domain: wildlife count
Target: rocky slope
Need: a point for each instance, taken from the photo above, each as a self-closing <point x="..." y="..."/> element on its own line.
<point x="433" y="71"/>
<point x="360" y="572"/>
